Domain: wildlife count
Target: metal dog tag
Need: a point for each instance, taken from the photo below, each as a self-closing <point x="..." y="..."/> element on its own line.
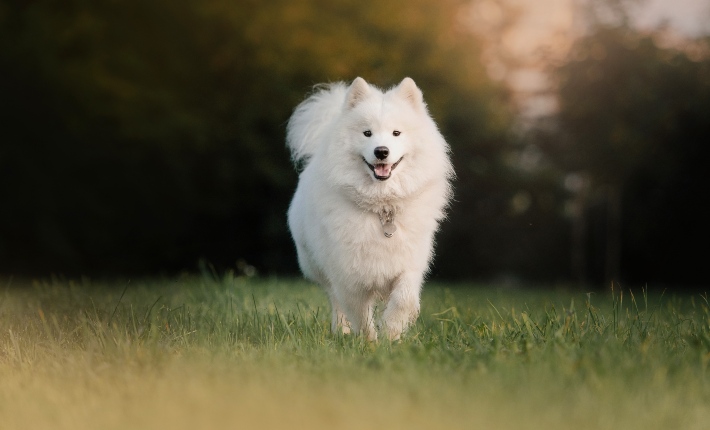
<point x="389" y="228"/>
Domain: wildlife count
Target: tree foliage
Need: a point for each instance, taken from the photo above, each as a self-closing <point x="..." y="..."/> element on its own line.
<point x="143" y="136"/>
<point x="633" y="112"/>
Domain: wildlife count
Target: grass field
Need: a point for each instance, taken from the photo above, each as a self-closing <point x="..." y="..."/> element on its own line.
<point x="202" y="353"/>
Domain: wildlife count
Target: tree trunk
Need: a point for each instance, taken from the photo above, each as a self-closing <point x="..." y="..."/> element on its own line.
<point x="613" y="234"/>
<point x="579" y="231"/>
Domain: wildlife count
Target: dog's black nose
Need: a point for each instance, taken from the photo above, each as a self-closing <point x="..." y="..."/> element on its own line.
<point x="381" y="152"/>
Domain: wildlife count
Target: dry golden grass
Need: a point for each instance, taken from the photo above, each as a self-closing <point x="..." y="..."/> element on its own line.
<point x="232" y="353"/>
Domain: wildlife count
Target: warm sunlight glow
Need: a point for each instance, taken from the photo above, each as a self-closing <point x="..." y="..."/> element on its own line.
<point x="524" y="36"/>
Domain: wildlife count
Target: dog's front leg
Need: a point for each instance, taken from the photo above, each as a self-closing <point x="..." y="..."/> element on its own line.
<point x="339" y="320"/>
<point x="402" y="306"/>
<point x="358" y="307"/>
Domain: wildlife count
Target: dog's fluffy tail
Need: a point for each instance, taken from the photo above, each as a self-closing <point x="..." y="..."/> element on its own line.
<point x="308" y="124"/>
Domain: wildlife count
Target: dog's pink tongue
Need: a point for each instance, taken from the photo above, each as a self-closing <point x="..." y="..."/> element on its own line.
<point x="383" y="169"/>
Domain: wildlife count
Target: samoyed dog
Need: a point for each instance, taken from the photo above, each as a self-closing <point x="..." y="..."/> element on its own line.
<point x="374" y="188"/>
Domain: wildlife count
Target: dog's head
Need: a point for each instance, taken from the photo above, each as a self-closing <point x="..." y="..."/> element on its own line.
<point x="384" y="124"/>
<point x="382" y="127"/>
<point x="391" y="141"/>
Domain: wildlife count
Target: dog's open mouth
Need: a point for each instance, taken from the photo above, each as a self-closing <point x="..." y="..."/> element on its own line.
<point x="382" y="171"/>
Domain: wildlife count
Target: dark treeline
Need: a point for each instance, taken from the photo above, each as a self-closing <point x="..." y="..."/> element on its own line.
<point x="142" y="137"/>
<point x="634" y="124"/>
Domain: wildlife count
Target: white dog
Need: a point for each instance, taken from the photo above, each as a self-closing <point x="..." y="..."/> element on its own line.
<point x="369" y="200"/>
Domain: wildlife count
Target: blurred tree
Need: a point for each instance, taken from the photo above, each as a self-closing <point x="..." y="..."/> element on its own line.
<point x="633" y="116"/>
<point x="140" y="137"/>
<point x="144" y="136"/>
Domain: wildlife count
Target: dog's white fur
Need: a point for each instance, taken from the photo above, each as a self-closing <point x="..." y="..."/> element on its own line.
<point x="335" y="215"/>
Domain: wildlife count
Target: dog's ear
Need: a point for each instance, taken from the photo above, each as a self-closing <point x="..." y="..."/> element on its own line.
<point x="409" y="91"/>
<point x="357" y="92"/>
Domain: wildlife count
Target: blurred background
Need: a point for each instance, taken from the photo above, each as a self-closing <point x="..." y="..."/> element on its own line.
<point x="147" y="137"/>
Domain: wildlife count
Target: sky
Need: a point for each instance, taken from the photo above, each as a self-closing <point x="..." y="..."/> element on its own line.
<point x="690" y="17"/>
<point x="549" y="23"/>
<point x="549" y="26"/>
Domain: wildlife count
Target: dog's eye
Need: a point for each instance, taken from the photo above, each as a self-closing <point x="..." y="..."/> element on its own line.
<point x="367" y="133"/>
<point x="396" y="133"/>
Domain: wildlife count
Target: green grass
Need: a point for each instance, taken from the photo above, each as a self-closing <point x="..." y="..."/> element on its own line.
<point x="202" y="353"/>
